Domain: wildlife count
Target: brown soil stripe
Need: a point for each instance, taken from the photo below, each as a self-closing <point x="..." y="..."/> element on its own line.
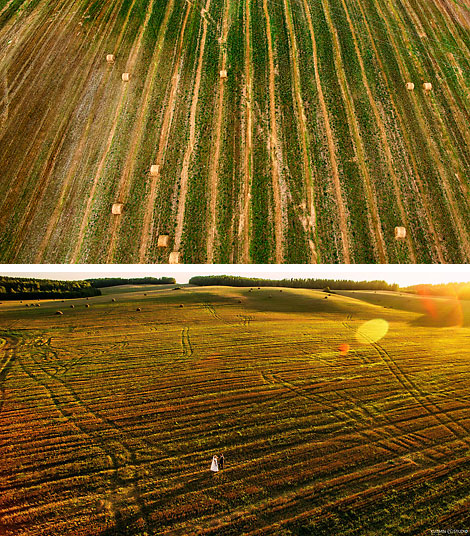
<point x="214" y="161"/>
<point x="192" y="138"/>
<point x="273" y="144"/>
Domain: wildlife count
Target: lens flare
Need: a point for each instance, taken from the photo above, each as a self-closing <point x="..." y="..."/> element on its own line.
<point x="372" y="331"/>
<point x="343" y="349"/>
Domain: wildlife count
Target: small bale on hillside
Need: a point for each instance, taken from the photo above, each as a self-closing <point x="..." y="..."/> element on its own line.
<point x="400" y="232"/>
<point x="72" y="307"/>
<point x="427" y="86"/>
<point x="410" y="86"/>
<point x="174" y="257"/>
<point x="181" y="305"/>
<point x="117" y="208"/>
<point x="223" y="74"/>
<point x="113" y="300"/>
<point x="239" y="301"/>
<point x="27" y="305"/>
<point x="126" y="77"/>
<point x="38" y="305"/>
<point x="110" y="58"/>
<point x="87" y="305"/>
<point x="163" y="241"/>
<point x="59" y="313"/>
<point x="154" y="170"/>
<point x="138" y="309"/>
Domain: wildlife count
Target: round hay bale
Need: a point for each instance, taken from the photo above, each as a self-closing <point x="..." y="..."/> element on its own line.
<point x="38" y="305"/>
<point x="181" y="305"/>
<point x="87" y="305"/>
<point x="113" y="300"/>
<point x="239" y="301"/>
<point x="117" y="208"/>
<point x="110" y="58"/>
<point x="27" y="305"/>
<point x="145" y="294"/>
<point x="174" y="257"/>
<point x="410" y="86"/>
<point x="59" y="313"/>
<point x="400" y="233"/>
<point x="138" y="309"/>
<point x="427" y="86"/>
<point x="163" y="241"/>
<point x="72" y="307"/>
<point x="126" y="77"/>
<point x="155" y="170"/>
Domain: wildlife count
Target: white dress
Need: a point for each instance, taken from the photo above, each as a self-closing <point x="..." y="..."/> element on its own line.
<point x="215" y="465"/>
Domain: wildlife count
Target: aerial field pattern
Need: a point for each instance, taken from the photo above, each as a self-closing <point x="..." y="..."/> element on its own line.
<point x="337" y="414"/>
<point x="278" y="131"/>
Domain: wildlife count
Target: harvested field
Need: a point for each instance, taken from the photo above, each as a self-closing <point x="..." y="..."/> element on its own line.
<point x="110" y="416"/>
<point x="275" y="131"/>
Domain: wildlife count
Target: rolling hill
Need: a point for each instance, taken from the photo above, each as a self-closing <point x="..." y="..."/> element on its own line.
<point x="111" y="412"/>
<point x="278" y="131"/>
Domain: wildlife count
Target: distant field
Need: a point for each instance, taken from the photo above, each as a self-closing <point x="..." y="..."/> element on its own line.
<point x="109" y="416"/>
<point x="311" y="150"/>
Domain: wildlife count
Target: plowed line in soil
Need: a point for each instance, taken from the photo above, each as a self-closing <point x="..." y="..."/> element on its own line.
<point x="136" y="47"/>
<point x="273" y="144"/>
<point x="148" y="223"/>
<point x="138" y="132"/>
<point x="215" y="157"/>
<point x="192" y="138"/>
<point x="383" y="135"/>
<point x="83" y="140"/>
<point x="359" y="148"/>
<point x="404" y="130"/>
<point x="244" y="225"/>
<point x="309" y="222"/>
<point x="343" y="223"/>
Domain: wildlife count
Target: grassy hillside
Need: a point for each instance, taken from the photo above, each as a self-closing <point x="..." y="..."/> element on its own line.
<point x="311" y="150"/>
<point x="109" y="416"/>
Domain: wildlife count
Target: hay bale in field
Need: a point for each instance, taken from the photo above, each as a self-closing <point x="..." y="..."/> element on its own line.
<point x="110" y="58"/>
<point x="113" y="299"/>
<point x="427" y="86"/>
<point x="410" y="86"/>
<point x="27" y="305"/>
<point x="138" y="309"/>
<point x="163" y="241"/>
<point x="400" y="232"/>
<point x="181" y="305"/>
<point x="126" y="77"/>
<point x="239" y="301"/>
<point x="59" y="313"/>
<point x="154" y="170"/>
<point x="223" y="74"/>
<point x="174" y="257"/>
<point x="72" y="307"/>
<point x="38" y="305"/>
<point x="87" y="305"/>
<point x="117" y="208"/>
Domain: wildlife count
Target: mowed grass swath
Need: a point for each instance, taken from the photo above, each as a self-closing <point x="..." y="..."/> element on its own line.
<point x="244" y="130"/>
<point x="344" y="414"/>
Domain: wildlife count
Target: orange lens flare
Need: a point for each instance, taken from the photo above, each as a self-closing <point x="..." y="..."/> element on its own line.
<point x="343" y="349"/>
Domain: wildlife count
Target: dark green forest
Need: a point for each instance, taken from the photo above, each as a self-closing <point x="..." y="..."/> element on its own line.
<point x="236" y="281"/>
<point x="17" y="288"/>
<point x="116" y="281"/>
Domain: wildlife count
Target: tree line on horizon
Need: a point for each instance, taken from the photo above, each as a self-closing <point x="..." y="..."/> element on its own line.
<point x="309" y="283"/>
<point x="103" y="282"/>
<point x="18" y="288"/>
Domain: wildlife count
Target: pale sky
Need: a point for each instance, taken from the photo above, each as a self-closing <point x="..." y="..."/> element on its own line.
<point x="404" y="275"/>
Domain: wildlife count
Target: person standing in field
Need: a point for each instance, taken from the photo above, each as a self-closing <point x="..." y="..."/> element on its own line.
<point x="215" y="464"/>
<point x="221" y="461"/>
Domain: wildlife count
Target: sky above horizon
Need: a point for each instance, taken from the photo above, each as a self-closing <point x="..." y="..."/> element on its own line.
<point x="404" y="275"/>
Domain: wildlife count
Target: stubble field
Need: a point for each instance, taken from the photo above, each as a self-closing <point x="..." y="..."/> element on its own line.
<point x="311" y="150"/>
<point x="109" y="416"/>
